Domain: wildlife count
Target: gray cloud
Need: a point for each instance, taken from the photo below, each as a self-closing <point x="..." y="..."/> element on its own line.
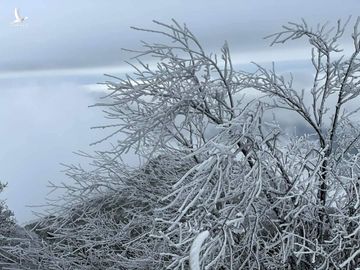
<point x="83" y="34"/>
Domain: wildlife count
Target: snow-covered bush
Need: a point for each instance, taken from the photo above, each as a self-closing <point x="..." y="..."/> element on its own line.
<point x="11" y="236"/>
<point x="6" y="216"/>
<point x="216" y="163"/>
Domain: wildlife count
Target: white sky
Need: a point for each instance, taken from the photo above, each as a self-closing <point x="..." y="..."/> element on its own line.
<point x="49" y="68"/>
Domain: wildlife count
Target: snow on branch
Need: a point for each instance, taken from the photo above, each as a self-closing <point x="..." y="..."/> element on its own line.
<point x="195" y="250"/>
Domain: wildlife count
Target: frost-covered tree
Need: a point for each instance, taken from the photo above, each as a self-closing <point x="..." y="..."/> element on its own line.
<point x="223" y="185"/>
<point x="7" y="229"/>
<point x="7" y="221"/>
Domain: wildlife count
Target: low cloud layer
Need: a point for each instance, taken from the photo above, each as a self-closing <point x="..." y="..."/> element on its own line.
<point x="41" y="125"/>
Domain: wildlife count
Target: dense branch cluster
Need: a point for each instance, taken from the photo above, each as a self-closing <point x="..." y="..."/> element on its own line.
<point x="5" y="215"/>
<point x="223" y="186"/>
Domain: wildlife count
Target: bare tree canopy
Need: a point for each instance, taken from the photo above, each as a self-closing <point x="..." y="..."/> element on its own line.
<point x="216" y="165"/>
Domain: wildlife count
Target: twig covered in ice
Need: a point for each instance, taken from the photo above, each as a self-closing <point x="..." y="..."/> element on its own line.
<point x="195" y="250"/>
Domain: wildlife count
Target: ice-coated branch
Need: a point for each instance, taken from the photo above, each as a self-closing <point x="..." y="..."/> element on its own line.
<point x="217" y="158"/>
<point x="196" y="249"/>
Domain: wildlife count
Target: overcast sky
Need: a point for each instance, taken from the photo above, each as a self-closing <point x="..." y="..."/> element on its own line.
<point x="50" y="67"/>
